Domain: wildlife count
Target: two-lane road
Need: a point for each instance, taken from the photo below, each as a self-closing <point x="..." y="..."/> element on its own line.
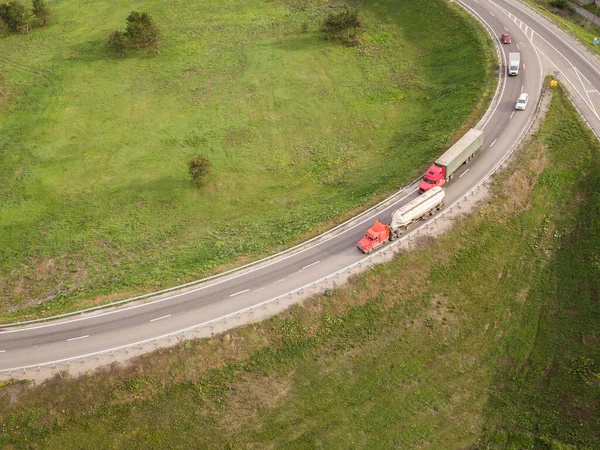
<point x="46" y="343"/>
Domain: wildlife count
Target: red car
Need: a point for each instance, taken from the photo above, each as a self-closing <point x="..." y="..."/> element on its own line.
<point x="505" y="38"/>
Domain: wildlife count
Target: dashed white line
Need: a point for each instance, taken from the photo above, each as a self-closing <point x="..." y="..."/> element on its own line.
<point x="518" y="47"/>
<point x="461" y="175"/>
<point x="79" y="337"/>
<point x="279" y="281"/>
<point x="160" y="318"/>
<point x="2" y="351"/>
<point x="492" y="14"/>
<point x="238" y="293"/>
<point x="512" y="114"/>
<point x="310" y="265"/>
<point x="492" y="144"/>
<point x="505" y="29"/>
<point x="259" y="289"/>
<point x="523" y="66"/>
<point x="522" y="87"/>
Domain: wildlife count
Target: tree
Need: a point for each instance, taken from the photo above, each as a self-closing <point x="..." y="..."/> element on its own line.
<point x="41" y="11"/>
<point x="118" y="42"/>
<point x="198" y="167"/>
<point x="15" y="15"/>
<point x="142" y="31"/>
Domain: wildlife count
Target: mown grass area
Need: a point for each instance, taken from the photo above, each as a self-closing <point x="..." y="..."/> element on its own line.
<point x="96" y="201"/>
<point x="485" y="338"/>
<point x="568" y="19"/>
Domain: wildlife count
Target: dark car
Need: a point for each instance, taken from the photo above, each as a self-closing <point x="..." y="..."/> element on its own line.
<point x="505" y="38"/>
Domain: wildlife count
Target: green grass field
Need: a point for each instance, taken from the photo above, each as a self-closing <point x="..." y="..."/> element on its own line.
<point x="95" y="200"/>
<point x="485" y="338"/>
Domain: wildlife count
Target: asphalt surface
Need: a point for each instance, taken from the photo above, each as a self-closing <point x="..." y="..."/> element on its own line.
<point x="541" y="48"/>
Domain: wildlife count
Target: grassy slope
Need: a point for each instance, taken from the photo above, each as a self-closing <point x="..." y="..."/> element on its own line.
<point x="487" y="337"/>
<point x="93" y="148"/>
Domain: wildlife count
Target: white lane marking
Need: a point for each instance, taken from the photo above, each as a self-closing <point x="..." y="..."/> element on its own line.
<point x="279" y="281"/>
<point x="491" y="30"/>
<point x="361" y="223"/>
<point x="592" y="109"/>
<point x="522" y="87"/>
<point x="2" y="351"/>
<point x="310" y="265"/>
<point x="238" y="293"/>
<point x="583" y="86"/>
<point x="523" y="66"/>
<point x="512" y="114"/>
<point x="583" y="58"/>
<point x="492" y="14"/>
<point x="492" y="144"/>
<point x="259" y="289"/>
<point x="160" y="318"/>
<point x="80" y="337"/>
<point x="505" y="29"/>
<point x="518" y="47"/>
<point x="592" y="91"/>
<point x="461" y="175"/>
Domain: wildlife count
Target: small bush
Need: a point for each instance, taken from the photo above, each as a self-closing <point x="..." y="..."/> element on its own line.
<point x="344" y="26"/>
<point x="198" y="168"/>
<point x="3" y="28"/>
<point x="15" y="15"/>
<point x="117" y="42"/>
<point x="141" y="30"/>
<point x="41" y="11"/>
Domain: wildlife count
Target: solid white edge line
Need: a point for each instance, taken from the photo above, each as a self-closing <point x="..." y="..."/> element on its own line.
<point x="160" y="318"/>
<point x="200" y="288"/>
<point x="461" y="175"/>
<point x="241" y="292"/>
<point x="310" y="265"/>
<point x="79" y="337"/>
<point x="492" y="144"/>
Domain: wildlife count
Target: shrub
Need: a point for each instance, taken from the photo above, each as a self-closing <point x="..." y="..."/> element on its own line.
<point x="141" y="30"/>
<point x="198" y="167"/>
<point x="117" y="42"/>
<point x="344" y="25"/>
<point x="15" y="15"/>
<point x="41" y="11"/>
<point x="3" y="27"/>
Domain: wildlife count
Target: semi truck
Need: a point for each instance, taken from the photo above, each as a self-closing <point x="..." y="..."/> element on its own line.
<point x="514" y="61"/>
<point x="421" y="207"/>
<point x="444" y="167"/>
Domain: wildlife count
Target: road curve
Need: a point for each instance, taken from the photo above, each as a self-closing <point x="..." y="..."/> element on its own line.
<point x="542" y="48"/>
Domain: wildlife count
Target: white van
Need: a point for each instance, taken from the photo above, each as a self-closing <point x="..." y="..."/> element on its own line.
<point x="522" y="102"/>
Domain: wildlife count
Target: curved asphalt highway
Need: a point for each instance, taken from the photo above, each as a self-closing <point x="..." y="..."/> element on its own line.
<point x="54" y="341"/>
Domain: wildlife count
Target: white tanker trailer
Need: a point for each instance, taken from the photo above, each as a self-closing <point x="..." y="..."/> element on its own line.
<point x="421" y="207"/>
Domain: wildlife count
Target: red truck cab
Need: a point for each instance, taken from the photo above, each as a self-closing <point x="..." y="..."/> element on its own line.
<point x="375" y="236"/>
<point x="435" y="176"/>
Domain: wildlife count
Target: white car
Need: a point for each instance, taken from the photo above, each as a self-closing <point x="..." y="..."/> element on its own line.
<point x="522" y="102"/>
